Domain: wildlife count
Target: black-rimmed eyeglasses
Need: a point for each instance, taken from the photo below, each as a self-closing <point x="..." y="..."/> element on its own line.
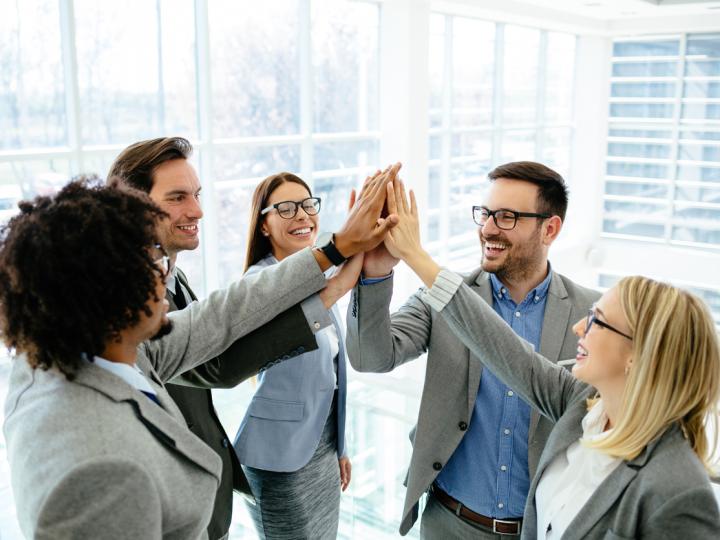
<point x="592" y="319"/>
<point x="161" y="260"/>
<point x="504" y="219"/>
<point x="289" y="209"/>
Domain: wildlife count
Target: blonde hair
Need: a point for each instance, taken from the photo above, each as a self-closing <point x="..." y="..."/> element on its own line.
<point x="675" y="372"/>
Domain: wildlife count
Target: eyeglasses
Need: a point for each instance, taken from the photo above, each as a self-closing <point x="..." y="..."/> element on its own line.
<point x="161" y="260"/>
<point x="289" y="209"/>
<point x="504" y="219"/>
<point x="592" y="319"/>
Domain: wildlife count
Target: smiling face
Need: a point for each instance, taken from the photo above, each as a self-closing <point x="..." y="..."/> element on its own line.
<point x="176" y="190"/>
<point x="604" y="355"/>
<point x="288" y="236"/>
<point x="522" y="251"/>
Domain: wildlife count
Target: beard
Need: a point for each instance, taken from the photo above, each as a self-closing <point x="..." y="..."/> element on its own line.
<point x="521" y="260"/>
<point x="164" y="330"/>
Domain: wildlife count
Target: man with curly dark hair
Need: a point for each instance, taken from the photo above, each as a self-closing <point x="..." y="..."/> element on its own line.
<point x="97" y="448"/>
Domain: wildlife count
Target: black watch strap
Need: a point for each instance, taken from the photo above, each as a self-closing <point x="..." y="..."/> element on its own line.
<point x="332" y="253"/>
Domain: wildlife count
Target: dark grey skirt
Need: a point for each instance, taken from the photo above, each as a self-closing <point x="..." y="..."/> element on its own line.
<point x="303" y="504"/>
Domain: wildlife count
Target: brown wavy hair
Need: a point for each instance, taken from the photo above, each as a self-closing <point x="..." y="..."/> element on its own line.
<point x="75" y="270"/>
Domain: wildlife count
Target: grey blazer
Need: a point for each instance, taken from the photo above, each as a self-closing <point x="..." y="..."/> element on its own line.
<point x="95" y="458"/>
<point x="378" y="342"/>
<point x="664" y="493"/>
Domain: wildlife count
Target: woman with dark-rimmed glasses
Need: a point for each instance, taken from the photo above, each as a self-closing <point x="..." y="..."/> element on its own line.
<point x="291" y="441"/>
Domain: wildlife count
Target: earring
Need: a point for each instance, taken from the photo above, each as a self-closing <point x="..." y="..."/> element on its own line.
<point x="265" y="233"/>
<point x="627" y="369"/>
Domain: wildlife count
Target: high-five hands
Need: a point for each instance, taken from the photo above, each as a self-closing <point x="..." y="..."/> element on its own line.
<point x="403" y="240"/>
<point x="365" y="226"/>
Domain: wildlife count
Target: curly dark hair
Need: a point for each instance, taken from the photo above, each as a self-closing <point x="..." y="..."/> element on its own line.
<point x="75" y="270"/>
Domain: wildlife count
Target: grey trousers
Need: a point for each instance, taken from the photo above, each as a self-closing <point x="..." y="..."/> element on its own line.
<point x="440" y="523"/>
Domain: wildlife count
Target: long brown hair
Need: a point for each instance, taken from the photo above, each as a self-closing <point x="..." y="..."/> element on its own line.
<point x="258" y="245"/>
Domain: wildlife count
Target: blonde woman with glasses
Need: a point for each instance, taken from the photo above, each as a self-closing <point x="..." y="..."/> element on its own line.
<point x="631" y="449"/>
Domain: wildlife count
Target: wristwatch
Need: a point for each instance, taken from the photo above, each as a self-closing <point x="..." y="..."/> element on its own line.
<point x="327" y="246"/>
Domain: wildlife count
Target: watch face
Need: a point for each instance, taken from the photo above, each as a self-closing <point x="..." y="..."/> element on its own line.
<point x="323" y="239"/>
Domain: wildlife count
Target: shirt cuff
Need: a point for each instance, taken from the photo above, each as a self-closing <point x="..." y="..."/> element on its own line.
<point x="315" y="313"/>
<point x="371" y="280"/>
<point x="443" y="289"/>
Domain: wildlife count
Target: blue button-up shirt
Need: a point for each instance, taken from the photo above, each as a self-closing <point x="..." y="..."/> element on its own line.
<point x="488" y="472"/>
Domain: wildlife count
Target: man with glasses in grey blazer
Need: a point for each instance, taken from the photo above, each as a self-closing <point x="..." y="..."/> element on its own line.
<point x="476" y="443"/>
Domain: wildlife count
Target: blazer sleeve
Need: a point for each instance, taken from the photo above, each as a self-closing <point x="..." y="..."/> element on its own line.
<point x="207" y="328"/>
<point x="286" y="336"/>
<point x="106" y="498"/>
<point x="543" y="384"/>
<point x="378" y="342"/>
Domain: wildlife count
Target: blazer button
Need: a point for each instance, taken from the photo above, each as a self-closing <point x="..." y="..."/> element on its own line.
<point x="437" y="466"/>
<point x="225" y="442"/>
<point x="301" y="349"/>
<point x="462" y="426"/>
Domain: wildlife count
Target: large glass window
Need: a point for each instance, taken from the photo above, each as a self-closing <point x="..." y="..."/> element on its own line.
<point x="662" y="178"/>
<point x="498" y="93"/>
<point x="292" y="86"/>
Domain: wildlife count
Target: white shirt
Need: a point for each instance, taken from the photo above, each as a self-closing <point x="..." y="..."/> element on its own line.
<point x="130" y="374"/>
<point x="572" y="477"/>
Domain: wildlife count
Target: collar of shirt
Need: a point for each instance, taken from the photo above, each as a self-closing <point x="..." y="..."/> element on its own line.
<point x="170" y="281"/>
<point x="130" y="374"/>
<point x="536" y="295"/>
<point x="594" y="422"/>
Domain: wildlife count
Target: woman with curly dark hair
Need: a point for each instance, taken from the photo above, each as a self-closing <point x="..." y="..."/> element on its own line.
<point x="96" y="446"/>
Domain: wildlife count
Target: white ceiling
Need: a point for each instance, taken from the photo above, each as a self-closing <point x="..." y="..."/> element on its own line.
<point x="623" y="9"/>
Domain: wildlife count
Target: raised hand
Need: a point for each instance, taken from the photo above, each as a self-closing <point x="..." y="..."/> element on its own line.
<point x="403" y="241"/>
<point x="342" y="281"/>
<point x="365" y="227"/>
<point x="378" y="262"/>
<point x="405" y="238"/>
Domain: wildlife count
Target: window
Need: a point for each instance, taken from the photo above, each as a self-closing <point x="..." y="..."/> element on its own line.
<point x="293" y="86"/>
<point x="662" y="180"/>
<point x="498" y="93"/>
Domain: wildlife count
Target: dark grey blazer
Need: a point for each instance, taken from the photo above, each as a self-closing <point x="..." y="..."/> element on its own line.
<point x="378" y="342"/>
<point x="286" y="335"/>
<point x="664" y="493"/>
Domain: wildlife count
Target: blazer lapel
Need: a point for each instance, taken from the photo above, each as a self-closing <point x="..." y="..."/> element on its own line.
<point x="164" y="422"/>
<point x="600" y="501"/>
<point x="482" y="286"/>
<point x="613" y="488"/>
<point x="555" y="320"/>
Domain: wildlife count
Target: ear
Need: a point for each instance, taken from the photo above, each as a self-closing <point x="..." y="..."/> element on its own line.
<point x="264" y="230"/>
<point x="552" y="227"/>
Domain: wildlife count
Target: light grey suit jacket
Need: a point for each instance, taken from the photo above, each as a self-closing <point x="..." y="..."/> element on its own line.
<point x="664" y="493"/>
<point x="378" y="342"/>
<point x="95" y="458"/>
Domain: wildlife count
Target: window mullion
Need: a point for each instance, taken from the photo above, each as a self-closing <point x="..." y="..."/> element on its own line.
<point x="675" y="146"/>
<point x="306" y="92"/>
<point x="210" y="232"/>
<point x="72" y="87"/>
<point x="446" y="149"/>
<point x="499" y="84"/>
